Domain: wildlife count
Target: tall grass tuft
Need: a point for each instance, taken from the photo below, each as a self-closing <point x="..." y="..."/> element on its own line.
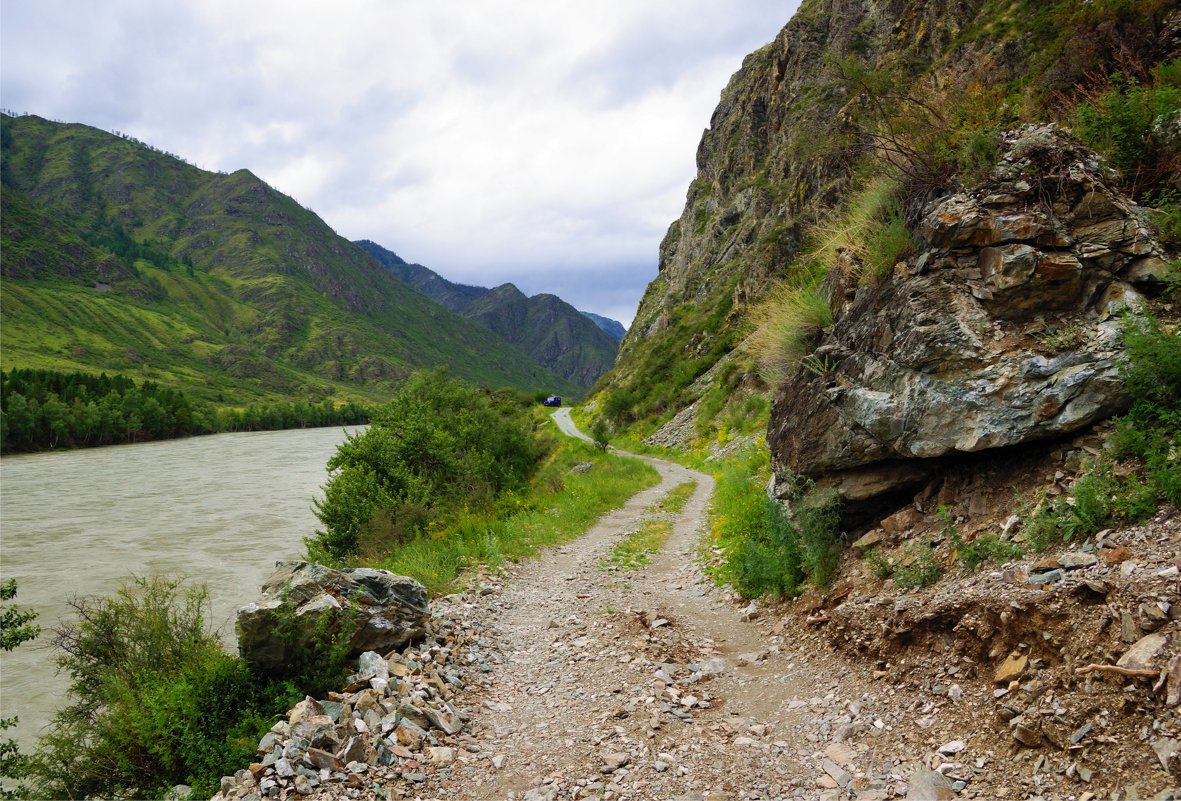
<point x="786" y="327"/>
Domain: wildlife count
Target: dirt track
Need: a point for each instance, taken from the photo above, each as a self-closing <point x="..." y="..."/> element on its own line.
<point x="577" y="703"/>
<point x="654" y="684"/>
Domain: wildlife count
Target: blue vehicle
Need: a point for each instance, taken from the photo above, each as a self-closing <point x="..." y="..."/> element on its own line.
<point x="552" y="400"/>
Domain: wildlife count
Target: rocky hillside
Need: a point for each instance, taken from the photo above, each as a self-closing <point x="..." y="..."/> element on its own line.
<point x="848" y="91"/>
<point x="561" y="338"/>
<point x="121" y="258"/>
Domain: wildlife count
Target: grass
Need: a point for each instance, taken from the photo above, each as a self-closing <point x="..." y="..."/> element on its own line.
<point x="868" y="235"/>
<point x="766" y="549"/>
<point x="636" y="550"/>
<point x="787" y="325"/>
<point x="560" y="505"/>
<point x="678" y="496"/>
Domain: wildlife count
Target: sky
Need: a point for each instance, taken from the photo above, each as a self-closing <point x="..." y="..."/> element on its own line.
<point x="543" y="142"/>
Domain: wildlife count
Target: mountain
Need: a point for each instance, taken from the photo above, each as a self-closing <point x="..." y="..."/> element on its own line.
<point x="119" y="257"/>
<point x="612" y="328"/>
<point x="844" y="126"/>
<point x="557" y="335"/>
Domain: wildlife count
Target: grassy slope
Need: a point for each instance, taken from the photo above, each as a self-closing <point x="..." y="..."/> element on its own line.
<point x="243" y="294"/>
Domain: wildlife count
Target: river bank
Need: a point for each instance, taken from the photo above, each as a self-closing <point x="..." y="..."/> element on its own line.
<point x="221" y="508"/>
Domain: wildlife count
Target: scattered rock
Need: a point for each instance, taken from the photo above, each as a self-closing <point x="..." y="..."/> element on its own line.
<point x="928" y="785"/>
<point x="1143" y="653"/>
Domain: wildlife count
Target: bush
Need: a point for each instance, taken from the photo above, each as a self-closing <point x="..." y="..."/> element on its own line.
<point x="154" y="700"/>
<point x="918" y="567"/>
<point x="1137" y="127"/>
<point x="985" y="548"/>
<point x="1106" y="496"/>
<point x="16" y="627"/>
<point x="439" y="447"/>
<point x="601" y="434"/>
<point x="770" y="551"/>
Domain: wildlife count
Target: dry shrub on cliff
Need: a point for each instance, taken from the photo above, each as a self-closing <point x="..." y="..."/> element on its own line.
<point x="787" y="324"/>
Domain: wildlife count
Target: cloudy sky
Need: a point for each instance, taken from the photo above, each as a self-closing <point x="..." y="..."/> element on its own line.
<point x="544" y="142"/>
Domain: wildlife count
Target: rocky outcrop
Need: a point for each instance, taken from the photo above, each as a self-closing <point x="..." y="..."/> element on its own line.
<point x="385" y="611"/>
<point x="999" y="333"/>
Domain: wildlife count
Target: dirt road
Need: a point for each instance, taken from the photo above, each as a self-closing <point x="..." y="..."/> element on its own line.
<point x="648" y="684"/>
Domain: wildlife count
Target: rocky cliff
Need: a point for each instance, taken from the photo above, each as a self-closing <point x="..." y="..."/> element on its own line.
<point x="794" y="131"/>
<point x="1000" y="331"/>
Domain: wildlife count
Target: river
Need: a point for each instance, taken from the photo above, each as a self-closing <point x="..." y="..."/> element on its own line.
<point x="220" y="509"/>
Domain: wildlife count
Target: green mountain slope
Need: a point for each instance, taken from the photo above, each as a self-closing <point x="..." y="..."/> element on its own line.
<point x="557" y="335"/>
<point x="116" y="256"/>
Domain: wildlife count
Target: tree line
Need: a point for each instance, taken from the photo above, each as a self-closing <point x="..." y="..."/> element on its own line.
<point x="46" y="409"/>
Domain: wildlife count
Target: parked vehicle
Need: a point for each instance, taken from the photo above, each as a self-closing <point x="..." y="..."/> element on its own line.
<point x="552" y="400"/>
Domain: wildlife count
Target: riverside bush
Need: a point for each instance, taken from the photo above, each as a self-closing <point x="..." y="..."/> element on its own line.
<point x="571" y="489"/>
<point x="154" y="699"/>
<point x="439" y="447"/>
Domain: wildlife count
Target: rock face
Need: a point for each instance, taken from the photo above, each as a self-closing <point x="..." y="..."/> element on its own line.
<point x="385" y="611"/>
<point x="999" y="333"/>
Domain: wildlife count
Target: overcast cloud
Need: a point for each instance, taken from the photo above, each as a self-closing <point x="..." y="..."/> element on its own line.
<point x="542" y="142"/>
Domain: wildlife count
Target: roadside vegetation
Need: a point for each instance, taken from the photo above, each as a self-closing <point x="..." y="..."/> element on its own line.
<point x="638" y="548"/>
<point x="765" y="549"/>
<point x="449" y="477"/>
<point x="46" y="409"/>
<point x="1142" y="469"/>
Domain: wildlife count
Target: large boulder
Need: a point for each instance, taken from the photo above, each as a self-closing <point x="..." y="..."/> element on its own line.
<point x="1000" y="332"/>
<point x="382" y="612"/>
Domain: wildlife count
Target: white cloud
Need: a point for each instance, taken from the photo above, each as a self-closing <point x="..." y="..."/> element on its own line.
<point x="539" y="142"/>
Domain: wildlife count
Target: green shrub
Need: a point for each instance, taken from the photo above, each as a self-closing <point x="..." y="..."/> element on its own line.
<point x="768" y="550"/>
<point x="437" y="448"/>
<point x="559" y="503"/>
<point x="16" y="627"/>
<point x="878" y="565"/>
<point x="154" y="699"/>
<point x="1104" y="496"/>
<point x="918" y="567"/>
<point x="886" y="243"/>
<point x="1135" y="126"/>
<point x="601" y="434"/>
<point x="986" y="548"/>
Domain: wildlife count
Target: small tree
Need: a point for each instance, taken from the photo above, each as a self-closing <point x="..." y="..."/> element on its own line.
<point x="600" y="434"/>
<point x="16" y="626"/>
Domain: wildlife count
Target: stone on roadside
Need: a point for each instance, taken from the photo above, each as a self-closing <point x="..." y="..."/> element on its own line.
<point x="1011" y="668"/>
<point x="1143" y="652"/>
<point x="928" y="785"/>
<point x="387" y="611"/>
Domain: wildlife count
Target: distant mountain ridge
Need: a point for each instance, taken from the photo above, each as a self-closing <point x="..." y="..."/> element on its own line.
<point x="569" y="342"/>
<point x="118" y="257"/>
<point x="612" y="328"/>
